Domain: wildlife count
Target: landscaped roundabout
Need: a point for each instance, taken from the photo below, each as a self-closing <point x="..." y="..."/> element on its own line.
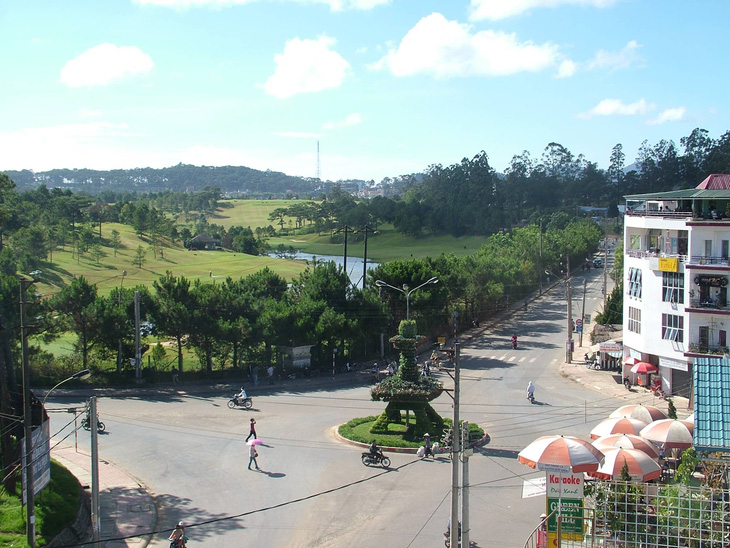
<point x="408" y="415"/>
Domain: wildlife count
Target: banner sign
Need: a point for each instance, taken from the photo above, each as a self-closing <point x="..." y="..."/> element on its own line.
<point x="668" y="265"/>
<point x="41" y="459"/>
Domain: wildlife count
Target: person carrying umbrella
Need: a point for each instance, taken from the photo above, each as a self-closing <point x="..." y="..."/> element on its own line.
<point x="252" y="454"/>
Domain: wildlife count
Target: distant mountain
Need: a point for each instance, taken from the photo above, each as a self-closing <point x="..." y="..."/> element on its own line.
<point x="232" y="180"/>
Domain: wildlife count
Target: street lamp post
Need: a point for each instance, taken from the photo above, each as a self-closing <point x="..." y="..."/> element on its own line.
<point x="407" y="292"/>
<point x="81" y="375"/>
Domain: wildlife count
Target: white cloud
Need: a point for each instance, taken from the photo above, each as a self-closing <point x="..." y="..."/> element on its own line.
<point x="334" y="5"/>
<point x="567" y="69"/>
<point x="501" y="9"/>
<point x="448" y="49"/>
<point x="306" y="66"/>
<point x="351" y="120"/>
<point x="669" y="115"/>
<point x="297" y="134"/>
<point x="616" y="107"/>
<point x="615" y="60"/>
<point x="104" y="64"/>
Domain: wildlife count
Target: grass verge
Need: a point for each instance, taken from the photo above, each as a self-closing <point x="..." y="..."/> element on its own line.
<point x="55" y="508"/>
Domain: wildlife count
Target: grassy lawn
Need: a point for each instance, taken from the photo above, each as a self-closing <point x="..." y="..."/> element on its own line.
<point x="249" y="213"/>
<point x="55" y="507"/>
<point x="358" y="429"/>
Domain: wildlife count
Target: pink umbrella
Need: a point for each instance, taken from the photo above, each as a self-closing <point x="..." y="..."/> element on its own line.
<point x="668" y="434"/>
<point x="254" y="441"/>
<point x="646" y="413"/>
<point x="561" y="453"/>
<point x="617" y="425"/>
<point x="630" y="360"/>
<point x="642" y="368"/>
<point x="641" y="466"/>
<point x="626" y="441"/>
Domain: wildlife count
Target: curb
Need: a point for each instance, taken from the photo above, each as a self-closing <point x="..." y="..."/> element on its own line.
<point x="336" y="429"/>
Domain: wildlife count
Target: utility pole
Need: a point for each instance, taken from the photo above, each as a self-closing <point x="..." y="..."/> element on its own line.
<point x="27" y="419"/>
<point x="455" y="451"/>
<point x="466" y="453"/>
<point x="345" y="229"/>
<point x="137" y="342"/>
<point x="366" y="229"/>
<point x="569" y="291"/>
<point x="583" y="314"/>
<point x="605" y="268"/>
<point x="95" y="517"/>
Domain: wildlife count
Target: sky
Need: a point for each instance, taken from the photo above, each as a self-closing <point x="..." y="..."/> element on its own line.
<point x="382" y="87"/>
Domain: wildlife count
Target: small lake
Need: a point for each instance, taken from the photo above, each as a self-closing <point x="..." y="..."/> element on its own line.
<point x="354" y="264"/>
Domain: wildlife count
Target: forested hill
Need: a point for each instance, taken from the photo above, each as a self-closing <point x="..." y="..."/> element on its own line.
<point x="179" y="178"/>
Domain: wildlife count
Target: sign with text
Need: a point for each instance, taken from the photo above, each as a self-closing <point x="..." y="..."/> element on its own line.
<point x="567" y="485"/>
<point x="41" y="459"/>
<point x="572" y="525"/>
<point x="668" y="265"/>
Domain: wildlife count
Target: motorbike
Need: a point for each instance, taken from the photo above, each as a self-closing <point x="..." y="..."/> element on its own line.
<point x="86" y="424"/>
<point x="370" y="459"/>
<point x="236" y="401"/>
<point x="531" y="397"/>
<point x="447" y="536"/>
<point x="514" y="343"/>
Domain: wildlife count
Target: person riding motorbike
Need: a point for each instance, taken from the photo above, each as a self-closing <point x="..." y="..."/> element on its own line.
<point x="531" y="391"/>
<point x="241" y="396"/>
<point x="177" y="538"/>
<point x="375" y="451"/>
<point x="514" y="340"/>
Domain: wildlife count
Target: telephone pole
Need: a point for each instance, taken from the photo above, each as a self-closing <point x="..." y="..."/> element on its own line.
<point x="27" y="418"/>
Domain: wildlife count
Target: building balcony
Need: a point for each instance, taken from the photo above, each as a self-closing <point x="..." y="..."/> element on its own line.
<point x="653" y="254"/>
<point x="705" y="260"/>
<point x="707" y="349"/>
<point x="664" y="213"/>
<point x="708" y="306"/>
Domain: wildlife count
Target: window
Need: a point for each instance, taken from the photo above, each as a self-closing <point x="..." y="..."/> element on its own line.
<point x="725" y="246"/>
<point x="673" y="287"/>
<point x="708" y="248"/>
<point x="635" y="242"/>
<point x="635" y="320"/>
<point x="672" y="328"/>
<point x="634" y="288"/>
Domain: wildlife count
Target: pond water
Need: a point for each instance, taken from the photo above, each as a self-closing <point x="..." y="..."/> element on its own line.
<point x="354" y="264"/>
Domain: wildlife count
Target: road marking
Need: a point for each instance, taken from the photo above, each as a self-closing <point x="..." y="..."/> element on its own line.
<point x="532" y="360"/>
<point x="522" y="359"/>
<point x="512" y="358"/>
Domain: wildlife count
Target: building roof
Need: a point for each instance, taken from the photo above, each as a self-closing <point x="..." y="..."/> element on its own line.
<point x="712" y="404"/>
<point x="203" y="238"/>
<point x="716" y="181"/>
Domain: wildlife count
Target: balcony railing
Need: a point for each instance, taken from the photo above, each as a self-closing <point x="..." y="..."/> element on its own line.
<point x="643" y="254"/>
<point x="714" y="349"/>
<point x="707" y="260"/>
<point x="664" y="213"/>
<point x="711" y="304"/>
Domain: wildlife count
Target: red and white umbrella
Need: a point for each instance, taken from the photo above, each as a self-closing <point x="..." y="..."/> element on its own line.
<point x="626" y="441"/>
<point x="642" y="368"/>
<point x="641" y="466"/>
<point x="561" y="454"/>
<point x="646" y="413"/>
<point x="617" y="425"/>
<point x="691" y="418"/>
<point x="630" y="360"/>
<point x="668" y="434"/>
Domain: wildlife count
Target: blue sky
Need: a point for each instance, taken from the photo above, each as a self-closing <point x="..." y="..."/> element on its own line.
<point x="387" y="87"/>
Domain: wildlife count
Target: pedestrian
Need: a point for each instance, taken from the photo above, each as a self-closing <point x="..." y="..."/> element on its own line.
<point x="252" y="430"/>
<point x="270" y="374"/>
<point x="255" y="375"/>
<point x="175" y="375"/>
<point x="427" y="445"/>
<point x="252" y="454"/>
<point x="542" y="538"/>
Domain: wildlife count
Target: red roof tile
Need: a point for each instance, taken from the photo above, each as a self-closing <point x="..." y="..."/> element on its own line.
<point x="716" y="181"/>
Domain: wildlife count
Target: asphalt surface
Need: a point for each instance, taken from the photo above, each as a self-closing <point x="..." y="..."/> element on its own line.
<point x="128" y="509"/>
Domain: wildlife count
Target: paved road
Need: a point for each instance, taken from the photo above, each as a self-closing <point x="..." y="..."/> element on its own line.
<point x="188" y="449"/>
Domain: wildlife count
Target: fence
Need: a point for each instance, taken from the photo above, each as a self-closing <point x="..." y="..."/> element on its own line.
<point x="640" y="515"/>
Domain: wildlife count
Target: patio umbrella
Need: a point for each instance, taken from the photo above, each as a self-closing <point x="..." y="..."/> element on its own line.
<point x="617" y="425"/>
<point x="691" y="418"/>
<point x="626" y="441"/>
<point x="642" y="368"/>
<point x="561" y="454"/>
<point x="646" y="413"/>
<point x="668" y="434"/>
<point x="641" y="466"/>
<point x="630" y="360"/>
<point x="254" y="441"/>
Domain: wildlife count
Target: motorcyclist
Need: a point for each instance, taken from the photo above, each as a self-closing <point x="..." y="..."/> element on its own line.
<point x="375" y="451"/>
<point x="514" y="340"/>
<point x="530" y="391"/>
<point x="177" y="538"/>
<point x="241" y="396"/>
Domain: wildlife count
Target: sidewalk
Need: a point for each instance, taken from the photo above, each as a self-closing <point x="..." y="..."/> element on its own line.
<point x="126" y="508"/>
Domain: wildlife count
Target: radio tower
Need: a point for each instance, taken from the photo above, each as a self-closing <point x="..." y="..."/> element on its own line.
<point x="318" y="173"/>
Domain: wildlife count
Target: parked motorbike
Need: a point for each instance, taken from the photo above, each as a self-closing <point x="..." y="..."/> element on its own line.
<point x="85" y="424"/>
<point x="370" y="459"/>
<point x="236" y="401"/>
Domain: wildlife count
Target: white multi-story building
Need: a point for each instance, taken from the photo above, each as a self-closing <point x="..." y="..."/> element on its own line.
<point x="676" y="272"/>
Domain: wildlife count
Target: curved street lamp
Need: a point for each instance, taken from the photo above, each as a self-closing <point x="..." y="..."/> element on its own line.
<point x="407" y="292"/>
<point x="81" y="375"/>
